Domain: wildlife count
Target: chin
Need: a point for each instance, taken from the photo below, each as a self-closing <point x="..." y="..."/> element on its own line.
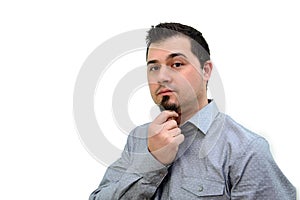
<point x="169" y="104"/>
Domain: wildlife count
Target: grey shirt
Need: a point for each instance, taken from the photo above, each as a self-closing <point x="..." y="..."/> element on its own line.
<point x="219" y="159"/>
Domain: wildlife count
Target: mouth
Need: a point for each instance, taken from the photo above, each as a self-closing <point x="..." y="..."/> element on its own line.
<point x="164" y="92"/>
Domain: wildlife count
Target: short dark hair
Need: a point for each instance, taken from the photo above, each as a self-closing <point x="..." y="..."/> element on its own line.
<point x="162" y="31"/>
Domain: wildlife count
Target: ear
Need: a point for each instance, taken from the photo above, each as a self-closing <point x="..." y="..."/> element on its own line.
<point x="207" y="69"/>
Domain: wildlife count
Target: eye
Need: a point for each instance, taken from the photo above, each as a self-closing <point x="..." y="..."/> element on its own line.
<point x="177" y="64"/>
<point x="153" y="68"/>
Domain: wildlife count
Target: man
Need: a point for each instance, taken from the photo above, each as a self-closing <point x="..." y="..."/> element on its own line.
<point x="191" y="150"/>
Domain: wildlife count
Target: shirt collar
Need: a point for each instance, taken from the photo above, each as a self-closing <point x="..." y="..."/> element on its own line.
<point x="205" y="117"/>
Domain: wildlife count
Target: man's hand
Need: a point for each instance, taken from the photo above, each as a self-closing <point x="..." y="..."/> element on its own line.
<point x="164" y="137"/>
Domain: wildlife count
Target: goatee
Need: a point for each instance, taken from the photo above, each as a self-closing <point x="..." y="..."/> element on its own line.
<point x="165" y="105"/>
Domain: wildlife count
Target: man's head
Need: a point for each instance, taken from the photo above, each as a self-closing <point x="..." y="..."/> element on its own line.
<point x="162" y="31"/>
<point x="178" y="67"/>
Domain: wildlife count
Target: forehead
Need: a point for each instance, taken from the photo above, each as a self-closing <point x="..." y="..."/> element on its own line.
<point x="175" y="44"/>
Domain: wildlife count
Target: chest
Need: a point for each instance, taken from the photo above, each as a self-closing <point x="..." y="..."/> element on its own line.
<point x="194" y="176"/>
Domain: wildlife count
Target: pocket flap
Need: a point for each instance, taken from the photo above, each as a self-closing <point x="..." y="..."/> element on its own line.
<point x="203" y="187"/>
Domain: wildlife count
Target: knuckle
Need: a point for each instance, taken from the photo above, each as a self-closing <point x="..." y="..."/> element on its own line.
<point x="181" y="137"/>
<point x="155" y="130"/>
<point x="165" y="113"/>
<point x="171" y="123"/>
<point x="174" y="123"/>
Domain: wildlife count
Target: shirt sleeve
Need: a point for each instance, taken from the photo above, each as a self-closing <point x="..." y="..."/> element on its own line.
<point x="136" y="175"/>
<point x="255" y="175"/>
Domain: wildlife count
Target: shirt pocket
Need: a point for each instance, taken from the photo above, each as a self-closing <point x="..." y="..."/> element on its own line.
<point x="201" y="188"/>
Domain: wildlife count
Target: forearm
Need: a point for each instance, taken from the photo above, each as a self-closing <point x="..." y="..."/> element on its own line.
<point x="114" y="189"/>
<point x="130" y="186"/>
<point x="138" y="180"/>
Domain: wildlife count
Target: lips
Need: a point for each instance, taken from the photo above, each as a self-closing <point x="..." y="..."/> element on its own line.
<point x="164" y="91"/>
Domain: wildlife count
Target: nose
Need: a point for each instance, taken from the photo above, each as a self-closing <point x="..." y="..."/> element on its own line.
<point x="164" y="75"/>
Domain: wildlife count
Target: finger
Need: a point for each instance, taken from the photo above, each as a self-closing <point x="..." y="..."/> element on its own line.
<point x="171" y="118"/>
<point x="164" y="116"/>
<point x="168" y="125"/>
<point x="179" y="139"/>
<point x="174" y="132"/>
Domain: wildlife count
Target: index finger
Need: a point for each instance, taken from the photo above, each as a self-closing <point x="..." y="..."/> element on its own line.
<point x="164" y="116"/>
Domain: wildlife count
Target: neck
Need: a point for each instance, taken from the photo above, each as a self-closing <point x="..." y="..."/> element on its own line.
<point x="189" y="111"/>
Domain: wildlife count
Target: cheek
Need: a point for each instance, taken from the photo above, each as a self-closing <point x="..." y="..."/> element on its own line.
<point x="193" y="83"/>
<point x="197" y="80"/>
<point x="153" y="88"/>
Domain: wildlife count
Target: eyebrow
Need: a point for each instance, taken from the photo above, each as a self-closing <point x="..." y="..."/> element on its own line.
<point x="172" y="55"/>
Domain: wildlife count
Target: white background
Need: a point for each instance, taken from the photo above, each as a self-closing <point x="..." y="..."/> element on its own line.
<point x="254" y="44"/>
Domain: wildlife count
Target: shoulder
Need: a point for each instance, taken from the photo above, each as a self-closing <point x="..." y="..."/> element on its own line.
<point x="234" y="140"/>
<point x="137" y="138"/>
<point x="239" y="136"/>
<point x="140" y="131"/>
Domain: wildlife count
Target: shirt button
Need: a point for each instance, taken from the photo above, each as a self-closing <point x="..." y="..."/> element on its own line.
<point x="200" y="188"/>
